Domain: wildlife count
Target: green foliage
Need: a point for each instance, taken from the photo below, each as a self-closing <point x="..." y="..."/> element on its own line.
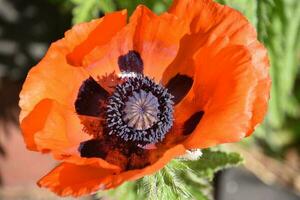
<point x="87" y="10"/>
<point x="127" y="191"/>
<point x="157" y="6"/>
<point x="247" y="7"/>
<point x="280" y="34"/>
<point x="212" y="161"/>
<point x="181" y="179"/>
<point x="278" y="27"/>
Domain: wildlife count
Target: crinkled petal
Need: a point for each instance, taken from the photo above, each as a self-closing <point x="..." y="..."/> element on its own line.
<point x="214" y="27"/>
<point x="75" y="180"/>
<point x="207" y="16"/>
<point x="146" y="35"/>
<point x="52" y="128"/>
<point x="226" y="89"/>
<point x="51" y="79"/>
<point x="261" y="63"/>
<point x="48" y="96"/>
<point x="106" y="27"/>
<point x="53" y="73"/>
<point x="207" y="20"/>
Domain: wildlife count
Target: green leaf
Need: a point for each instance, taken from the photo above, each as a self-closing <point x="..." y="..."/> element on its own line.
<point x="90" y="9"/>
<point x="106" y="6"/>
<point x="278" y="26"/>
<point x="158" y="6"/>
<point x="85" y="10"/>
<point x="213" y="161"/>
<point x="172" y="179"/>
<point x="126" y="191"/>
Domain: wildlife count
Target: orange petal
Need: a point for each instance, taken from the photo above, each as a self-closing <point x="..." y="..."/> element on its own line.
<point x="33" y="123"/>
<point x="106" y="27"/>
<point x="225" y="88"/>
<point x="146" y="34"/>
<point x="75" y="180"/>
<point x="207" y="16"/>
<point x="183" y="63"/>
<point x="47" y="118"/>
<point x="54" y="79"/>
<point x="46" y="79"/>
<point x="207" y="20"/>
<point x="211" y="22"/>
<point x="53" y="73"/>
<point x="52" y="128"/>
<point x="261" y="62"/>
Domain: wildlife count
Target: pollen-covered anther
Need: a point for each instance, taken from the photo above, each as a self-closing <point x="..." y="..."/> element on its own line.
<point x="140" y="111"/>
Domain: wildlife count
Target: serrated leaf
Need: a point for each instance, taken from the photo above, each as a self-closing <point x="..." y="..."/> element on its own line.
<point x="213" y="161"/>
<point x="172" y="178"/>
<point x="148" y="187"/>
<point x="126" y="191"/>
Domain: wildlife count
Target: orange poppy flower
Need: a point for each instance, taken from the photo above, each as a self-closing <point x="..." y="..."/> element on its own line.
<point x="115" y="101"/>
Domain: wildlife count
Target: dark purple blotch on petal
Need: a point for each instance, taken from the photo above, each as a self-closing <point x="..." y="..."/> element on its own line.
<point x="179" y="86"/>
<point x="89" y="98"/>
<point x="131" y="62"/>
<point x="92" y="149"/>
<point x="190" y="125"/>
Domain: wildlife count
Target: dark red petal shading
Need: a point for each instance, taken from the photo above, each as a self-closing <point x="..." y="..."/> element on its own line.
<point x="191" y="123"/>
<point x="179" y="86"/>
<point x="92" y="149"/>
<point x="131" y="62"/>
<point x="90" y="99"/>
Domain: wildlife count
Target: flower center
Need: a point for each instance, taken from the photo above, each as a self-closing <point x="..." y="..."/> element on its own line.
<point x="140" y="111"/>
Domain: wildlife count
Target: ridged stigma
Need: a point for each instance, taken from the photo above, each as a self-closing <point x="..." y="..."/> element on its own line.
<point x="141" y="110"/>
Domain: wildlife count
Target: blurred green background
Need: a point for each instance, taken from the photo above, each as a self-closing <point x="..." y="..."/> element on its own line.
<point x="27" y="27"/>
